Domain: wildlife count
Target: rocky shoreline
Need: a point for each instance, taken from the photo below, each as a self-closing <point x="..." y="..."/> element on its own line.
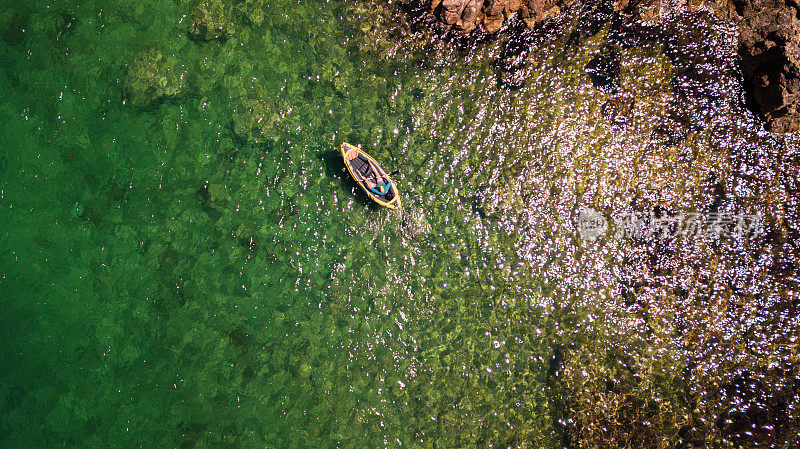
<point x="768" y="37"/>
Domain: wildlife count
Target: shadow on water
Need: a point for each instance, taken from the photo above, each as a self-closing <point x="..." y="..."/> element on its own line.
<point x="335" y="168"/>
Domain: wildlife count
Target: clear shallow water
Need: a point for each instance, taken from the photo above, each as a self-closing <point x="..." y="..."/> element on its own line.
<point x="168" y="283"/>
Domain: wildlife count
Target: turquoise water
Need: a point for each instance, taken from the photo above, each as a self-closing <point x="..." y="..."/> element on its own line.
<point x="185" y="263"/>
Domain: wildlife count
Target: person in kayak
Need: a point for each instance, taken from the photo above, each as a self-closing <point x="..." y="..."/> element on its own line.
<point x="370" y="173"/>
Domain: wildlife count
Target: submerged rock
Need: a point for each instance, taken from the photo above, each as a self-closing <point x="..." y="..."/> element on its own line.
<point x="221" y="19"/>
<point x="211" y="19"/>
<point x="618" y="108"/>
<point x="415" y="223"/>
<point x="13" y="23"/>
<point x="153" y="77"/>
<point x="255" y="121"/>
<point x="603" y="69"/>
<point x="213" y="198"/>
<point x="250" y="12"/>
<point x="304" y="371"/>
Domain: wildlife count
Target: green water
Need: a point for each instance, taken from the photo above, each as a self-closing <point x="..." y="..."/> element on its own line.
<point x="175" y="273"/>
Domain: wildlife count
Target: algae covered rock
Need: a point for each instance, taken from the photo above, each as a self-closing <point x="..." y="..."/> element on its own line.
<point x="211" y="19"/>
<point x="221" y="19"/>
<point x="12" y="25"/>
<point x="415" y="223"/>
<point x="256" y="121"/>
<point x="611" y="399"/>
<point x="214" y="198"/>
<point x="304" y="371"/>
<point x="384" y="28"/>
<point x="252" y="11"/>
<point x="153" y="77"/>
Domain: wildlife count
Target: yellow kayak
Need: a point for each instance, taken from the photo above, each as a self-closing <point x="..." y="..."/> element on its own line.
<point x="363" y="168"/>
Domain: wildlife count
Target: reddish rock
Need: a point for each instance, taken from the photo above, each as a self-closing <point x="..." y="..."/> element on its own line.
<point x="497" y="11"/>
<point x="465" y="15"/>
<point x="459" y="15"/>
<point x="534" y="12"/>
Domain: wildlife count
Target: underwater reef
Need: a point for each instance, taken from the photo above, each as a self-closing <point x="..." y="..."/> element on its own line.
<point x="707" y="355"/>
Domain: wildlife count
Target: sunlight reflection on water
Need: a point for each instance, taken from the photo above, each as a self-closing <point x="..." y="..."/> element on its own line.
<point x="209" y="240"/>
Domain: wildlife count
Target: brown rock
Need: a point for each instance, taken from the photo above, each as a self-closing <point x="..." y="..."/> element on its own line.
<point x="769" y="48"/>
<point x="492" y="24"/>
<point x="459" y="15"/>
<point x="496" y="11"/>
<point x="493" y="16"/>
<point x="643" y="10"/>
<point x="465" y="15"/>
<point x="534" y="12"/>
<point x="618" y="108"/>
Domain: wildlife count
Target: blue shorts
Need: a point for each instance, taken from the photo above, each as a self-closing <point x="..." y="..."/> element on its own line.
<point x="382" y="188"/>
